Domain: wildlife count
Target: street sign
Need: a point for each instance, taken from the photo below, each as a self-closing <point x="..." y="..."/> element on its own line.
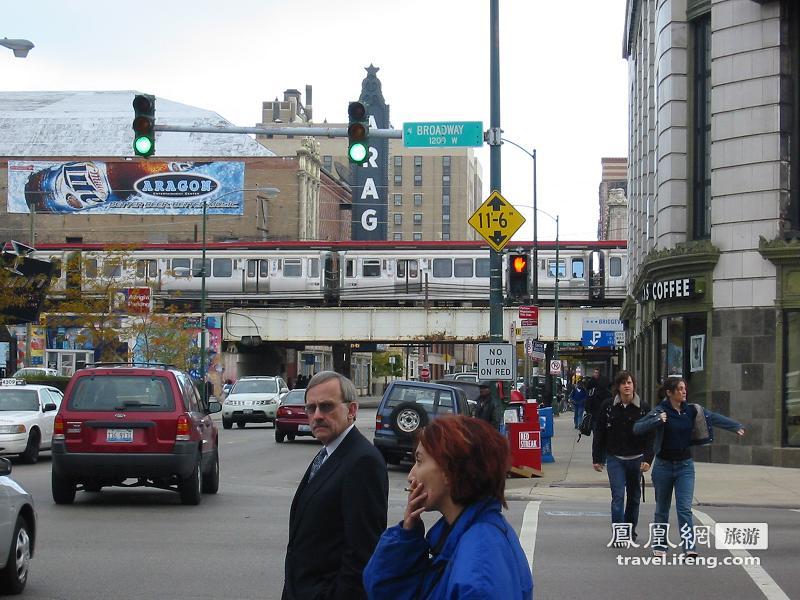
<point x="425" y="373"/>
<point x="496" y="362"/>
<point x="600" y="333"/>
<point x="443" y="133"/>
<point x="529" y="321"/>
<point x="535" y="350"/>
<point x="496" y="220"/>
<point x="529" y="313"/>
<point x="619" y="338"/>
<point x="555" y="367"/>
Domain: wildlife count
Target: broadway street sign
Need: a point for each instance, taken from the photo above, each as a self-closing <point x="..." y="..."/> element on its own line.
<point x="443" y="133"/>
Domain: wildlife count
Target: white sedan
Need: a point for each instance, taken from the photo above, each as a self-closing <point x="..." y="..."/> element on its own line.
<point x="253" y="400"/>
<point x="27" y="414"/>
<point x="17" y="532"/>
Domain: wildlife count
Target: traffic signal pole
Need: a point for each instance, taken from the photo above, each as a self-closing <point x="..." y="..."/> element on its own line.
<point x="494" y="139"/>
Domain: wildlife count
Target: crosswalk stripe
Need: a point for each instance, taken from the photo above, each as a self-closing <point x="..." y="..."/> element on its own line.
<point x="527" y="533"/>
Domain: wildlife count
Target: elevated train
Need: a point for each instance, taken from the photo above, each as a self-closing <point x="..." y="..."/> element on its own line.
<point x="339" y="273"/>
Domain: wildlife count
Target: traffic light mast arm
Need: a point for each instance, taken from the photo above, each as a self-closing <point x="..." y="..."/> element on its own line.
<point x="331" y="132"/>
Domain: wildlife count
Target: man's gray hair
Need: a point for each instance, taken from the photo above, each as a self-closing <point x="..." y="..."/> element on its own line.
<point x="347" y="387"/>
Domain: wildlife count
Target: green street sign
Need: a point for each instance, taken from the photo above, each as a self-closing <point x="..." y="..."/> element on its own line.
<point x="443" y="133"/>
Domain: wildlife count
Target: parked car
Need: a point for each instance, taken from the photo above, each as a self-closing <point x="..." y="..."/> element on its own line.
<point x="17" y="532"/>
<point x="405" y="407"/>
<point x="291" y="419"/>
<point x="146" y="423"/>
<point x="472" y="389"/>
<point x="465" y="376"/>
<point x="253" y="400"/>
<point x="27" y="414"/>
<point x="35" y="372"/>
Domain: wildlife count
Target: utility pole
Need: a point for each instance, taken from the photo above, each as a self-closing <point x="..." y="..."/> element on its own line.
<point x="495" y="258"/>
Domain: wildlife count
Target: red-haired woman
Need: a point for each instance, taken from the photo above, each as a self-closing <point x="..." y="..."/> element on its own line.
<point x="472" y="551"/>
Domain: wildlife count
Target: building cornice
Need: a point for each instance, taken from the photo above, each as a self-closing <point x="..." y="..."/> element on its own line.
<point x="780" y="251"/>
<point x="695" y="257"/>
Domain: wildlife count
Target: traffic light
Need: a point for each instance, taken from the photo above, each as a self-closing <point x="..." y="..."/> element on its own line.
<point x="357" y="133"/>
<point x="518" y="276"/>
<point x="144" y="125"/>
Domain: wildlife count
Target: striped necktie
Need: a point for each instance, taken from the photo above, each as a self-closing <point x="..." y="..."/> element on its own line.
<point x="317" y="463"/>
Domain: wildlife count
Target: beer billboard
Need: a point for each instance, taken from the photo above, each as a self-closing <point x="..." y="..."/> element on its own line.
<point x="125" y="188"/>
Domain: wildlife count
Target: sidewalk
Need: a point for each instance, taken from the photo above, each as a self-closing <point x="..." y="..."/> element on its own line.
<point x="571" y="477"/>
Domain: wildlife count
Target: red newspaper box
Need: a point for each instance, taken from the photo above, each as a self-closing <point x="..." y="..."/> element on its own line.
<point x="525" y="439"/>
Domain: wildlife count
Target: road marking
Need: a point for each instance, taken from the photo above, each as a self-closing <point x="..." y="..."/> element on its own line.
<point x="795" y="509"/>
<point x="764" y="582"/>
<point x="527" y="534"/>
<point x="571" y="513"/>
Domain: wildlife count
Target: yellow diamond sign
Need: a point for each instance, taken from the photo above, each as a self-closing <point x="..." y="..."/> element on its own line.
<point x="496" y="220"/>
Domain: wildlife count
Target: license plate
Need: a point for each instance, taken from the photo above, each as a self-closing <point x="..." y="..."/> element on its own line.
<point x="304" y="428"/>
<point x="119" y="435"/>
<point x="248" y="411"/>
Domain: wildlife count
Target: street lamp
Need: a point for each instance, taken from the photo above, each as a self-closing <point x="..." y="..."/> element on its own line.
<point x="555" y="305"/>
<point x="20" y="47"/>
<point x="270" y="192"/>
<point x="535" y="238"/>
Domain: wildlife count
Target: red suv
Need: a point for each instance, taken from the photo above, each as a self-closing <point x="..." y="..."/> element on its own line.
<point x="126" y="422"/>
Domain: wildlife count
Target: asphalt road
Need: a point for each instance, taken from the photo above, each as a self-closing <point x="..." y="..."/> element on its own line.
<point x="143" y="544"/>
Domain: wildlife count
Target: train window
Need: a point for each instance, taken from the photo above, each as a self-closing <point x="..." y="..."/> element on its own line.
<point x="198" y="268"/>
<point x="90" y="268"/>
<point x="313" y="267"/>
<point x="350" y="268"/>
<point x="56" y="267"/>
<point x="293" y="267"/>
<point x="562" y="268"/>
<point x="481" y="267"/>
<point x="407" y="265"/>
<point x="251" y="268"/>
<point x="222" y="267"/>
<point x="413" y="268"/>
<point x="113" y="268"/>
<point x="263" y="268"/>
<point x="615" y="266"/>
<point x="371" y="267"/>
<point x="145" y="268"/>
<point x="462" y="267"/>
<point x="578" y="271"/>
<point x="181" y="267"/>
<point x="442" y="267"/>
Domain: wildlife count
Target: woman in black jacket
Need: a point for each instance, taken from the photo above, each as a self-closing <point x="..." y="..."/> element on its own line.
<point x="625" y="454"/>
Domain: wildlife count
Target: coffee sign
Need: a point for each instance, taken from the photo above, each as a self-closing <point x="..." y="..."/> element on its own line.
<point x="669" y="289"/>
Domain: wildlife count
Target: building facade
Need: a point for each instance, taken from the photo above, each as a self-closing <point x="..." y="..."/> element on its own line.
<point x="714" y="213"/>
<point x="613" y="176"/>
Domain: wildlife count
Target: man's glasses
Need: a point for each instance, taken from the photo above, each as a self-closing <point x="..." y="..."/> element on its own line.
<point x="325" y="408"/>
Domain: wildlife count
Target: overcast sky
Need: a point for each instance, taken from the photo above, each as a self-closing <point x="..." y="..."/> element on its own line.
<point x="563" y="79"/>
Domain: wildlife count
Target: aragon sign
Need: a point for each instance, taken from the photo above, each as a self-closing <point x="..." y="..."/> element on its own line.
<point x="176" y="185"/>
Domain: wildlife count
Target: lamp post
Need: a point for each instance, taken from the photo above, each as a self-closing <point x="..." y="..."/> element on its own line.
<point x="532" y="154"/>
<point x="20" y="47"/>
<point x="270" y="192"/>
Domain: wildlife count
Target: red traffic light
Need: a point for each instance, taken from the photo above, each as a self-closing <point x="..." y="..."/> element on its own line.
<point x="519" y="264"/>
<point x="357" y="111"/>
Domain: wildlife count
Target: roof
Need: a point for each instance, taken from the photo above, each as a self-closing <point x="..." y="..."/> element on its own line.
<point x="98" y="123"/>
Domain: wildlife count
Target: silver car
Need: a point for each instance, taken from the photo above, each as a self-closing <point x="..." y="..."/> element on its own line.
<point x="17" y="532"/>
<point x="253" y="400"/>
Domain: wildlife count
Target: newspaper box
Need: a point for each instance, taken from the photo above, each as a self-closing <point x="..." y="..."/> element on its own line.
<point x="525" y="439"/>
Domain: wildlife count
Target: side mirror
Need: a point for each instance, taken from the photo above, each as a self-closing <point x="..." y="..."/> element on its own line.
<point x="214" y="407"/>
<point x="5" y="466"/>
<point x="284" y="390"/>
<point x="50" y="406"/>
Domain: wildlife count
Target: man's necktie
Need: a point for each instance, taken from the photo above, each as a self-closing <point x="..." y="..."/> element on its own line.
<point x="317" y="463"/>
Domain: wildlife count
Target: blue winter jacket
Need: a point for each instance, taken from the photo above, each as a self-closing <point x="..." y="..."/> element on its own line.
<point x="481" y="558"/>
<point x="652" y="420"/>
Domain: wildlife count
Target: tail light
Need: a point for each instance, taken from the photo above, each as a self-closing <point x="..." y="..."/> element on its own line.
<point x="182" y="432"/>
<point x="378" y="422"/>
<point x="284" y="412"/>
<point x="58" y="428"/>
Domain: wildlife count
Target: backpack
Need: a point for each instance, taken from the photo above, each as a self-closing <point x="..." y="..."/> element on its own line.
<point x="585" y="427"/>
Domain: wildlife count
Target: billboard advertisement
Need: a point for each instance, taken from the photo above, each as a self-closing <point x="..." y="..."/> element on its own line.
<point x="125" y="188"/>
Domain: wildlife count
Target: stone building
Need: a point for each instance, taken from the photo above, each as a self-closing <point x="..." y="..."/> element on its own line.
<point x="613" y="176"/>
<point x="714" y="213"/>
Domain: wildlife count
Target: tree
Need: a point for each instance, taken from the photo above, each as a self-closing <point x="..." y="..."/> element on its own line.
<point x="163" y="339"/>
<point x="383" y="367"/>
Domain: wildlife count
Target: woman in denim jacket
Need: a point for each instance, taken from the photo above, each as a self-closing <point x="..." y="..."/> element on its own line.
<point x="678" y="426"/>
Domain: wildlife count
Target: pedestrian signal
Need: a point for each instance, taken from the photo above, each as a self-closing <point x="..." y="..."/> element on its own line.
<point x="518" y="276"/>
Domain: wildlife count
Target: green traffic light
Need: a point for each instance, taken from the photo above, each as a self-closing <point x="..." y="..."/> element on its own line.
<point x="358" y="152"/>
<point x="143" y="145"/>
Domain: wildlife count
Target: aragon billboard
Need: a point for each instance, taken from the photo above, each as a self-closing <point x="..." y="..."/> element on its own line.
<point x="127" y="188"/>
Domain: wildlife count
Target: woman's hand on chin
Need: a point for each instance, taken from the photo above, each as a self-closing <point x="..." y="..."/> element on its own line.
<point x="416" y="505"/>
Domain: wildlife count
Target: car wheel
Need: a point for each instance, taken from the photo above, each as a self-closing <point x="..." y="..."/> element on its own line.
<point x="408" y="418"/>
<point x="31" y="454"/>
<point x="211" y="477"/>
<point x="14" y="575"/>
<point x="279" y="436"/>
<point x="63" y="489"/>
<point x="241" y="424"/>
<point x="227" y="423"/>
<point x="189" y="488"/>
<point x="290" y="437"/>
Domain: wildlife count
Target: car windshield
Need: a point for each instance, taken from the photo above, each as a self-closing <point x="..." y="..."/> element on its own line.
<point x="297" y="397"/>
<point x="18" y="400"/>
<point x="255" y="386"/>
<point x="122" y="393"/>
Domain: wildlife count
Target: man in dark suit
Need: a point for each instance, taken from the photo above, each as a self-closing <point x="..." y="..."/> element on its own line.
<point x="339" y="510"/>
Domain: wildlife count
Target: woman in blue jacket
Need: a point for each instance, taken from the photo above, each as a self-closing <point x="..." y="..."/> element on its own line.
<point x="678" y="426"/>
<point x="472" y="551"/>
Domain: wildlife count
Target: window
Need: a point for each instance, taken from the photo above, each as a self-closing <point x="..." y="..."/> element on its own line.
<point x="146" y="269"/>
<point x="262" y="265"/>
<point x="407" y="265"/>
<point x="551" y="268"/>
<point x="398" y="162"/>
<point x="445" y="218"/>
<point x="418" y="180"/>
<point x="371" y="267"/>
<point x="398" y="180"/>
<point x="197" y="267"/>
<point x="398" y="236"/>
<point x="445" y="179"/>
<point x="462" y="267"/>
<point x="398" y="218"/>
<point x="398" y="199"/>
<point x="445" y="237"/>
<point x="417" y="161"/>
<point x="701" y="128"/>
<point x="445" y="161"/>
<point x="481" y="267"/>
<point x="327" y="162"/>
<point x="293" y="267"/>
<point x="615" y="266"/>
<point x="442" y="267"/>
<point x="350" y="268"/>
<point x="112" y="268"/>
<point x="417" y="236"/>
<point x="417" y="218"/>
<point x="417" y="199"/>
<point x="445" y="199"/>
<point x="181" y="267"/>
<point x="313" y="268"/>
<point x="222" y="267"/>
<point x="417" y="171"/>
<point x="577" y="268"/>
<point x="791" y="391"/>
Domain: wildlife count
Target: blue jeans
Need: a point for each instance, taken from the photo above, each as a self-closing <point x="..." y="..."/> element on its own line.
<point x="679" y="476"/>
<point x="579" y="414"/>
<point x="624" y="477"/>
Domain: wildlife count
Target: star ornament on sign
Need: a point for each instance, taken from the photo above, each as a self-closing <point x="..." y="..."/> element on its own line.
<point x="496" y="221"/>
